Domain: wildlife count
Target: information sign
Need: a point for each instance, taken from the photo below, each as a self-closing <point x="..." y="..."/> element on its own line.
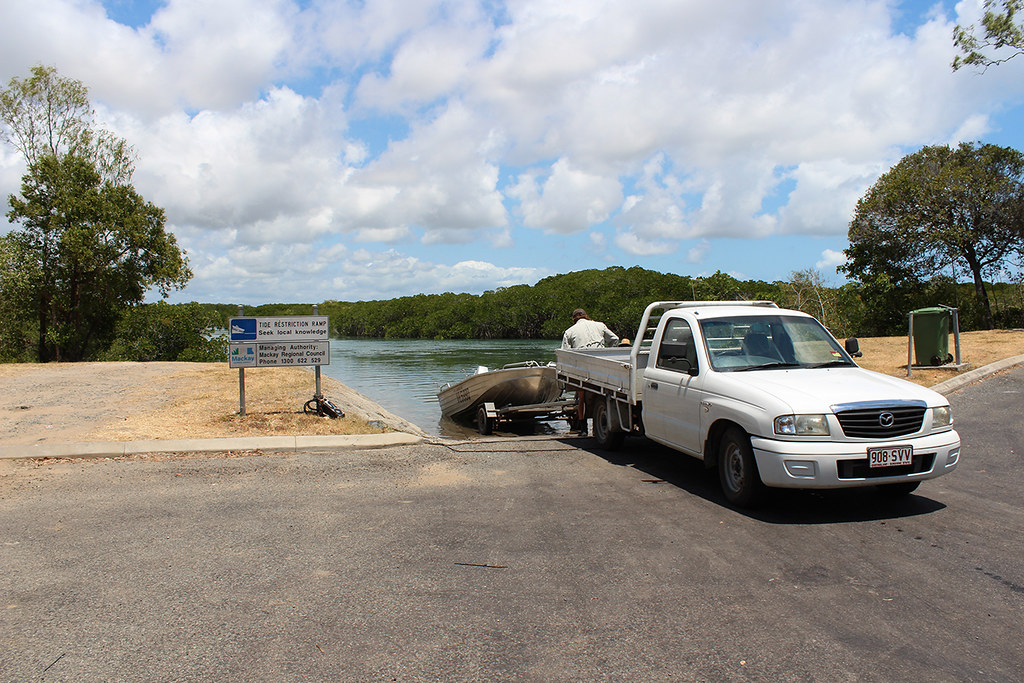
<point x="285" y="328"/>
<point x="276" y="354"/>
<point x="256" y="342"/>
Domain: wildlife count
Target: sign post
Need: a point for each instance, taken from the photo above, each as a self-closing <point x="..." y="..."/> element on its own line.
<point x="316" y="371"/>
<point x="258" y="342"/>
<point x="241" y="380"/>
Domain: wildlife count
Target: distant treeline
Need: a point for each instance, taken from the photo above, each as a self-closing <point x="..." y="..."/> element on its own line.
<point x="618" y="297"/>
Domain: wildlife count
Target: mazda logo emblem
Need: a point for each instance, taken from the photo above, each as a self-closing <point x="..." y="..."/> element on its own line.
<point x="886" y="419"/>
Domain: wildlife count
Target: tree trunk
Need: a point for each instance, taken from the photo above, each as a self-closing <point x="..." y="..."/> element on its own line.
<point x="979" y="289"/>
<point x="42" y="350"/>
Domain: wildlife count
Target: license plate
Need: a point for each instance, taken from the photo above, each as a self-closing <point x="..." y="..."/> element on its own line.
<point x="890" y="456"/>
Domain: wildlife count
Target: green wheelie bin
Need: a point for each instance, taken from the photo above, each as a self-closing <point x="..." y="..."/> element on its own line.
<point x="931" y="335"/>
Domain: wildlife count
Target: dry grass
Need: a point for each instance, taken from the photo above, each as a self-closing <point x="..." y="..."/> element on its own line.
<point x="888" y="355"/>
<point x="201" y="401"/>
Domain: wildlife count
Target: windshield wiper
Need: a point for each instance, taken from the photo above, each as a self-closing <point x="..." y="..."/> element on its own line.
<point x="830" y="364"/>
<point x="773" y="365"/>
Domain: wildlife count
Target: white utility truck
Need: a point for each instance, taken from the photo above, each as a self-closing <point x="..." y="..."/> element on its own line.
<point x="766" y="395"/>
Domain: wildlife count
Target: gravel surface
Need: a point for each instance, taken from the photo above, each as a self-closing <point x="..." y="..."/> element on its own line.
<point x="62" y="402"/>
<point x="72" y="402"/>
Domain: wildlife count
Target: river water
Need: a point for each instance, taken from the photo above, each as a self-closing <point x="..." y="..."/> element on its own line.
<point x="404" y="375"/>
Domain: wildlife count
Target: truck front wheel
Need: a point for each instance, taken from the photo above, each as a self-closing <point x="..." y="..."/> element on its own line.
<point x="607" y="437"/>
<point x="737" y="469"/>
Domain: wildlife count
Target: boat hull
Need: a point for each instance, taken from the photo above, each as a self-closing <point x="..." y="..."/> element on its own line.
<point x="509" y="386"/>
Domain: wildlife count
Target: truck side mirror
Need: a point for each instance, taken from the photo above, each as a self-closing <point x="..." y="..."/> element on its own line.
<point x="853" y="347"/>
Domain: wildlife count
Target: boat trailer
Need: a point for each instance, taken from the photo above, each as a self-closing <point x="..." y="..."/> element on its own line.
<point x="489" y="415"/>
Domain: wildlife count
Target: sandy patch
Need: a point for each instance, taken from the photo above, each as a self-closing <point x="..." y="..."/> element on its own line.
<point x="440" y="474"/>
<point x="67" y="402"/>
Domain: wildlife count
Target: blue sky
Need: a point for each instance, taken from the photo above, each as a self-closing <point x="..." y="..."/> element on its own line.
<point x="315" y="150"/>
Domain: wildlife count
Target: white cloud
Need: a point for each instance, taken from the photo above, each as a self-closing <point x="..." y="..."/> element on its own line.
<point x="654" y="218"/>
<point x="635" y="245"/>
<point x="12" y="167"/>
<point x="568" y="200"/>
<point x="699" y="253"/>
<point x="387" y="235"/>
<point x="429" y="64"/>
<point x="830" y="258"/>
<point x="973" y="128"/>
<point x="264" y="169"/>
<point x="77" y="38"/>
<point x="221" y="52"/>
<point x="626" y="129"/>
<point x="384" y="275"/>
<point x="501" y="239"/>
<point x="438" y="180"/>
<point x="315" y="273"/>
<point x="826" y="193"/>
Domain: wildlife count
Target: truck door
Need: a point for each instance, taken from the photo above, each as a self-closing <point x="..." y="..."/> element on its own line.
<point x="671" y="390"/>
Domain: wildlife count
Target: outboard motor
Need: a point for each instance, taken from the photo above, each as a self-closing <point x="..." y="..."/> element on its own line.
<point x="318" y="405"/>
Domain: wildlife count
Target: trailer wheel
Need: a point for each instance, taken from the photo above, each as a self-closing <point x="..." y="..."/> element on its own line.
<point x="484" y="424"/>
<point x="607" y="437"/>
<point x="737" y="469"/>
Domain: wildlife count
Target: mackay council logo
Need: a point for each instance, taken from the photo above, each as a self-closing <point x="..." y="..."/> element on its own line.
<point x="241" y="355"/>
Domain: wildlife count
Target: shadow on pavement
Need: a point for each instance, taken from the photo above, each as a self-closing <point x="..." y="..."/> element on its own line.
<point x="781" y="506"/>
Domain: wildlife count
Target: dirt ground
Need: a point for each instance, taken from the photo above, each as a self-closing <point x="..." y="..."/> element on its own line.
<point x="71" y="402"/>
<point x="888" y="355"/>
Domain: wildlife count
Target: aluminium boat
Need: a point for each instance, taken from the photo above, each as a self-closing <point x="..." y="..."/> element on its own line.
<point x="515" y="384"/>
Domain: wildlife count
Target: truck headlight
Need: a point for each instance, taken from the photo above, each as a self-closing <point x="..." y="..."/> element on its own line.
<point x="802" y="425"/>
<point x="941" y="417"/>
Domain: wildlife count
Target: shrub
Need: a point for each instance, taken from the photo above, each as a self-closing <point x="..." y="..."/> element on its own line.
<point x="161" y="331"/>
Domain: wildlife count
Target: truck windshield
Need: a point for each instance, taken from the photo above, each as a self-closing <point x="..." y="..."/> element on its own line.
<point x="769" y="342"/>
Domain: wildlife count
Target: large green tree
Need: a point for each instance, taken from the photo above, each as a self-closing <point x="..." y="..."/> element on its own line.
<point x="85" y="250"/>
<point x="938" y="209"/>
<point x="86" y="245"/>
<point x="1001" y="39"/>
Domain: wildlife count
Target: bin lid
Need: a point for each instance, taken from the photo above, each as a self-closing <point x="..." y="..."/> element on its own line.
<point x="932" y="310"/>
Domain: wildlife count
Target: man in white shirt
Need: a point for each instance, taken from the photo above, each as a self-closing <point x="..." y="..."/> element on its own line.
<point x="586" y="333"/>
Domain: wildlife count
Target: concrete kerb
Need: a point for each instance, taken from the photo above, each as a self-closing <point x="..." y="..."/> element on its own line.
<point x="115" y="449"/>
<point x="953" y="383"/>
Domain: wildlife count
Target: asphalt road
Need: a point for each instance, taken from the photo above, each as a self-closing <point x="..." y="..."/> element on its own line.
<point x="526" y="558"/>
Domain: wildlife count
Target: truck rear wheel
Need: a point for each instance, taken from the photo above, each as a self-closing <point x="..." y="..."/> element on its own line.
<point x="737" y="469"/>
<point x="607" y="437"/>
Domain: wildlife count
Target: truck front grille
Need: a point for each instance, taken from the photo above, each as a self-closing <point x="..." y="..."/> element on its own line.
<point x="881" y="422"/>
